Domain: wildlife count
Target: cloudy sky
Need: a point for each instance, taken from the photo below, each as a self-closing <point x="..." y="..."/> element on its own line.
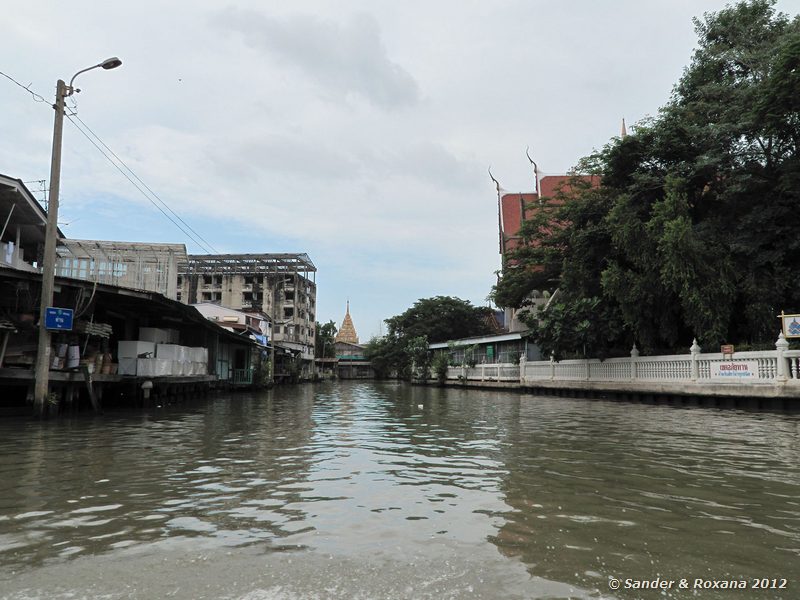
<point x="358" y="132"/>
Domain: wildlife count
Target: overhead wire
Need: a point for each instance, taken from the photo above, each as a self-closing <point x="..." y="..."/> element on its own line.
<point x="197" y="241"/>
<point x="27" y="88"/>
<point x="206" y="244"/>
<point x="194" y="235"/>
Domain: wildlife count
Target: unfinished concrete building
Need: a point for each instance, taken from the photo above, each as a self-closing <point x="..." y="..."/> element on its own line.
<point x="136" y="265"/>
<point x="281" y="286"/>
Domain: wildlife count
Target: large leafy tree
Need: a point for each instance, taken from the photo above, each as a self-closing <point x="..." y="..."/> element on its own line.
<point x="429" y="320"/>
<point x="440" y="319"/>
<point x="694" y="230"/>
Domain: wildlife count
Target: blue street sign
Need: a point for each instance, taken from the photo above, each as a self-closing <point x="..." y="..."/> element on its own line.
<point x="59" y="319"/>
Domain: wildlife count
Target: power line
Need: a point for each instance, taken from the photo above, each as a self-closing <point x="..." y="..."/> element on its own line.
<point x="27" y="88"/>
<point x="156" y="196"/>
<point x="124" y="174"/>
<point x="196" y="238"/>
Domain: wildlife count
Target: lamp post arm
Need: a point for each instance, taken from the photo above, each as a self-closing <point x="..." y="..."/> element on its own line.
<point x="70" y="89"/>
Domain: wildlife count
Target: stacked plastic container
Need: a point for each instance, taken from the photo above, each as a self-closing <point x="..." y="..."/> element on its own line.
<point x="157" y="354"/>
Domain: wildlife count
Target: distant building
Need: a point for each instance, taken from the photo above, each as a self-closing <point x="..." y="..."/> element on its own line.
<point x="489" y="349"/>
<point x="136" y="265"/>
<point x="254" y="325"/>
<point x="280" y="286"/>
<point x="351" y="360"/>
<point x="347" y="332"/>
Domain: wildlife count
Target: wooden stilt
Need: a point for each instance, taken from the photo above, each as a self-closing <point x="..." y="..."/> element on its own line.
<point x="87" y="378"/>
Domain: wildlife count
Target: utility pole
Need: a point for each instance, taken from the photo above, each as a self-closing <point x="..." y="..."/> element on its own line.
<point x="43" y="360"/>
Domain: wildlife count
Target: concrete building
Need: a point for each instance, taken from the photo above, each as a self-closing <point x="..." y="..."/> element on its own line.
<point x="281" y="286"/>
<point x="136" y="265"/>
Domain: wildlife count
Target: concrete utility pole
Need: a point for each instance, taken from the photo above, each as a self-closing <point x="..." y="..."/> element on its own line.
<point x="43" y="359"/>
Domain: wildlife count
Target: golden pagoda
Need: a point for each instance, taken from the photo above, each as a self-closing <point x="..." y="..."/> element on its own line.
<point x="347" y="332"/>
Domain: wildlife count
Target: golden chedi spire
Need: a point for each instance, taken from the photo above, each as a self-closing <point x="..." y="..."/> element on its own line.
<point x="347" y="332"/>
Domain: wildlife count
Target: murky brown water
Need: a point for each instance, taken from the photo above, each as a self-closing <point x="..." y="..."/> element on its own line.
<point x="386" y="491"/>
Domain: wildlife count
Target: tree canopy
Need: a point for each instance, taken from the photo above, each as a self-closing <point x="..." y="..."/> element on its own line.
<point x="440" y="319"/>
<point x="693" y="232"/>
<point x="324" y="346"/>
<point x="429" y="320"/>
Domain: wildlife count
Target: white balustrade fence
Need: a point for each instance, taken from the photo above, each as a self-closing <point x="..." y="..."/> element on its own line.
<point x="779" y="366"/>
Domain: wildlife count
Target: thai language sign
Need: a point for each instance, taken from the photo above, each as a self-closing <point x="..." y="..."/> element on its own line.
<point x="734" y="370"/>
<point x="58" y="318"/>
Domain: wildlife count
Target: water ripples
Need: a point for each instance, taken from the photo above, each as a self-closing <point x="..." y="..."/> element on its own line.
<point x="574" y="490"/>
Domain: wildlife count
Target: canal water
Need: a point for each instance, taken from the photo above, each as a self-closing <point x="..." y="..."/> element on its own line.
<point x="369" y="490"/>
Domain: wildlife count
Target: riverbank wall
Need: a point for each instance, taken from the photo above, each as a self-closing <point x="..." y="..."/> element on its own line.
<point x="754" y="380"/>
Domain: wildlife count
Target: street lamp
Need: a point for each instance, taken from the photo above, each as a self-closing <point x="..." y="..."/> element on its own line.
<point x="41" y="373"/>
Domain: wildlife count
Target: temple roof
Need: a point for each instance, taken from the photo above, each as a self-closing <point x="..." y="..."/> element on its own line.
<point x="347" y="332"/>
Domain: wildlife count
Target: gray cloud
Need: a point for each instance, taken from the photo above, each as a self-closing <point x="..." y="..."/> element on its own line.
<point x="282" y="155"/>
<point x="348" y="58"/>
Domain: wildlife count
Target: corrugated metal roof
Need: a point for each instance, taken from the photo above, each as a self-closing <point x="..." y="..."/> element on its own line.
<point x="487" y="339"/>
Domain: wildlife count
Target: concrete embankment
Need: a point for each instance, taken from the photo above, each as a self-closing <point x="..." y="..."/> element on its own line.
<point x="766" y="397"/>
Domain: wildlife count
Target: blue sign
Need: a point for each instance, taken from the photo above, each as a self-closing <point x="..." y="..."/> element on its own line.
<point x="59" y="319"/>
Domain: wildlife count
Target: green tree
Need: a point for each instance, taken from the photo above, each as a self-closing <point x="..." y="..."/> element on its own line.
<point x="429" y="320"/>
<point x="419" y="356"/>
<point x="693" y="231"/>
<point x="439" y="319"/>
<point x="388" y="357"/>
<point x="440" y="363"/>
<point x="324" y="345"/>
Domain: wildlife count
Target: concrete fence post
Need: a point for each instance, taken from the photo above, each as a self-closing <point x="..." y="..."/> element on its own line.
<point x="552" y="367"/>
<point x="634" y="362"/>
<point x="781" y="346"/>
<point x="695" y="352"/>
<point x="522" y="361"/>
<point x="588" y="373"/>
<point x="483" y="371"/>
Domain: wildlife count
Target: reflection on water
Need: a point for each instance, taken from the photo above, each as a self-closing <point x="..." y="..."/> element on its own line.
<point x="421" y="492"/>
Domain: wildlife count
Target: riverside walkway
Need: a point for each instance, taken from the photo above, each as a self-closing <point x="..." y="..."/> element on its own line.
<point x="771" y="374"/>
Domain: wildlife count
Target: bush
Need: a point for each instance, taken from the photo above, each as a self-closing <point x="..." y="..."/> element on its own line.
<point x="440" y="363"/>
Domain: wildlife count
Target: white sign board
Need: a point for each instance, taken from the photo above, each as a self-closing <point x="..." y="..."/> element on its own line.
<point x="791" y="325"/>
<point x="734" y="370"/>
